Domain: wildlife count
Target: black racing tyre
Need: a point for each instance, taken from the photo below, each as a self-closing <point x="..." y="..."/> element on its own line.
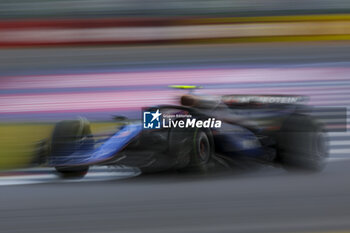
<point x="302" y="144"/>
<point x="67" y="137"/>
<point x="180" y="146"/>
<point x="72" y="172"/>
<point x="199" y="151"/>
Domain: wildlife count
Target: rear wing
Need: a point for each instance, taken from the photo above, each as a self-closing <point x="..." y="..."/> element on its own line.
<point x="263" y="99"/>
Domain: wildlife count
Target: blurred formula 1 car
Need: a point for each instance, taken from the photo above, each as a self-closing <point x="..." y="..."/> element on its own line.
<point x="268" y="129"/>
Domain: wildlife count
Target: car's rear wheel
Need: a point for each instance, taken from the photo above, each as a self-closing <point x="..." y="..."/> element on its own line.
<point x="68" y="137"/>
<point x="302" y="144"/>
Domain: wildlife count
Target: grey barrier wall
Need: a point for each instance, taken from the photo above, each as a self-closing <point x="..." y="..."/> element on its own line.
<point x="117" y="8"/>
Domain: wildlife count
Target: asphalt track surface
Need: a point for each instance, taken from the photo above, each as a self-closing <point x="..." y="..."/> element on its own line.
<point x="269" y="200"/>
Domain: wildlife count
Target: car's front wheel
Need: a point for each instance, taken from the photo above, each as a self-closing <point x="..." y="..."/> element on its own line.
<point x="68" y="137"/>
<point x="72" y="172"/>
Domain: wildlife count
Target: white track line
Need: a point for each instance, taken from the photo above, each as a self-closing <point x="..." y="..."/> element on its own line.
<point x="95" y="174"/>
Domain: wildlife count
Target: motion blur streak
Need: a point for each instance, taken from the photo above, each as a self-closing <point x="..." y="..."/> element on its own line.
<point x="100" y="82"/>
<point x="60" y="59"/>
<point x="49" y="81"/>
<point x="126" y="91"/>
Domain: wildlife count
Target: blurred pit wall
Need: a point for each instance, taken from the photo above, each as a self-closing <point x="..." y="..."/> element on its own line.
<point x="120" y="31"/>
